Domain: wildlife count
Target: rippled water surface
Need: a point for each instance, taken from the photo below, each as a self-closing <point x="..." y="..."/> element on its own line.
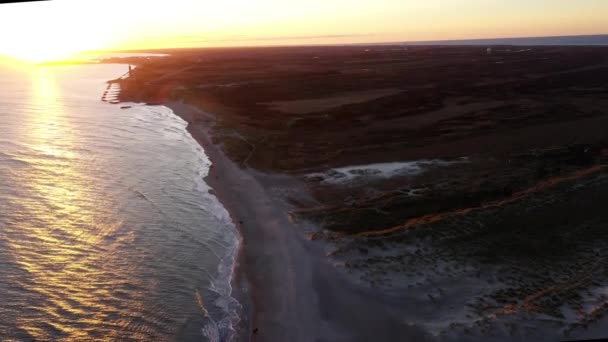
<point x="107" y="229"/>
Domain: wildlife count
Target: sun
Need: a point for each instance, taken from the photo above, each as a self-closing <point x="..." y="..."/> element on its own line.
<point x="53" y="43"/>
<point x="36" y="54"/>
<point x="50" y="31"/>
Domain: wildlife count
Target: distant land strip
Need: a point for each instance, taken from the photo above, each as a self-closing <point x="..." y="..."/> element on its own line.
<point x="578" y="40"/>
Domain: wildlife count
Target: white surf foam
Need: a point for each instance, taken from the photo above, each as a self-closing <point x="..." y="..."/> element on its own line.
<point x="343" y="175"/>
<point x="217" y="328"/>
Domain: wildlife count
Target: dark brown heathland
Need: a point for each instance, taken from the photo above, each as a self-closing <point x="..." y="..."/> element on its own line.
<point x="492" y="225"/>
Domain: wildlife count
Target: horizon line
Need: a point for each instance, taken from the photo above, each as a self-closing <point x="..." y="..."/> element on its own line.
<point x="437" y="42"/>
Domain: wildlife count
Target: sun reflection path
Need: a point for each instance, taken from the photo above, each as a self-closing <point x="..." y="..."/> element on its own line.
<point x="68" y="240"/>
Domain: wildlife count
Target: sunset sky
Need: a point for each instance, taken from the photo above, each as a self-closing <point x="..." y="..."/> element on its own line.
<point x="47" y="30"/>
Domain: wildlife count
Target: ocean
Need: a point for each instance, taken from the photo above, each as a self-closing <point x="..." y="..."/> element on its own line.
<point x="591" y="40"/>
<point x="583" y="40"/>
<point x="107" y="228"/>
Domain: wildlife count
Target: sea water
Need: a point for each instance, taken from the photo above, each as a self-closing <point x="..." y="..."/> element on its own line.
<point x="107" y="228"/>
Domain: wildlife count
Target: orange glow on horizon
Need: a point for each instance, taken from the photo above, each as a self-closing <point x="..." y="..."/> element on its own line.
<point x="45" y="31"/>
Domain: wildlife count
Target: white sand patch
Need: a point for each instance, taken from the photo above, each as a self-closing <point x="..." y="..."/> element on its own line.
<point x="349" y="174"/>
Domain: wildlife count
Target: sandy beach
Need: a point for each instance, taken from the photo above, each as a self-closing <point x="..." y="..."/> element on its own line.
<point x="294" y="293"/>
<point x="467" y="209"/>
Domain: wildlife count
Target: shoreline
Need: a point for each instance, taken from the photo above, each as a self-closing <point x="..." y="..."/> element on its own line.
<point x="238" y="191"/>
<point x="436" y="255"/>
<point x="291" y="291"/>
<point x="244" y="290"/>
<point x="238" y="278"/>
